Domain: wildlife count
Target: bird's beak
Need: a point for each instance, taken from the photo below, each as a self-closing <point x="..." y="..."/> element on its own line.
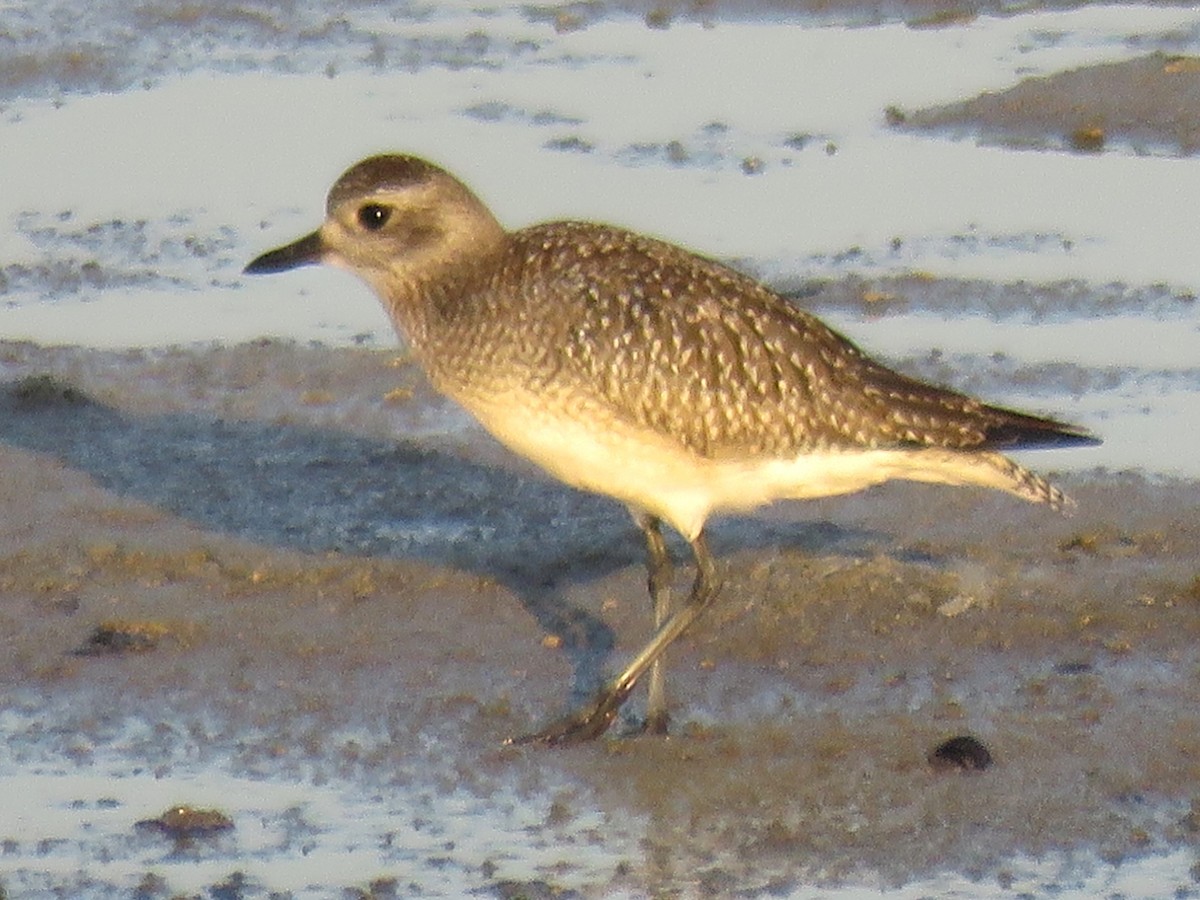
<point x="306" y="251"/>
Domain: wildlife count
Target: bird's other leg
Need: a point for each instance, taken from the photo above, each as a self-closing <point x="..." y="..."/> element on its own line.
<point x="594" y="719"/>
<point x="660" y="570"/>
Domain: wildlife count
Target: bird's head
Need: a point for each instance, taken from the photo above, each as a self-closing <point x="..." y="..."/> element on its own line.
<point x="391" y="218"/>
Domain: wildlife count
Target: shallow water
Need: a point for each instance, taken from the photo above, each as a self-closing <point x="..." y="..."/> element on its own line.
<point x="157" y="149"/>
<point x="72" y="824"/>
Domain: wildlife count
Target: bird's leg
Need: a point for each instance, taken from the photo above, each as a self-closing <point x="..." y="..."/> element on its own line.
<point x="658" y="564"/>
<point x="594" y="719"/>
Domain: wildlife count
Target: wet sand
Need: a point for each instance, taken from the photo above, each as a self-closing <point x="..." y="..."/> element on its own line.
<point x="223" y="569"/>
<point x="328" y="597"/>
<point x="1146" y="105"/>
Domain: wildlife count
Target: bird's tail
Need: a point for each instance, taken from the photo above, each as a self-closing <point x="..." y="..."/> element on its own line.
<point x="1021" y="482"/>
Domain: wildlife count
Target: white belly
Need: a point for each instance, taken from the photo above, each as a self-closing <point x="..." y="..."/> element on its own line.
<point x="657" y="475"/>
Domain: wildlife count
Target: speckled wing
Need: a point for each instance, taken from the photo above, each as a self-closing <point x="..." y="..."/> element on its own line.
<point x="689" y="348"/>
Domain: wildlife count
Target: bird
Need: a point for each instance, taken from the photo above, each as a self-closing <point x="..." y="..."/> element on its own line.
<point x="630" y="367"/>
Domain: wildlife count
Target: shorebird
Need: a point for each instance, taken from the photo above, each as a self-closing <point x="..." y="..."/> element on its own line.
<point x="630" y="367"/>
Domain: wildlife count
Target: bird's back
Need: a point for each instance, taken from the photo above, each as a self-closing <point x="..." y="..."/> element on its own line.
<point x="687" y="348"/>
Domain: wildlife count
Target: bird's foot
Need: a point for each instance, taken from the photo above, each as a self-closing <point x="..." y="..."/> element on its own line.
<point x="654" y="725"/>
<point x="586" y="724"/>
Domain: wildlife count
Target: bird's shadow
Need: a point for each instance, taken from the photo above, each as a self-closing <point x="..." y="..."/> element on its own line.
<point x="317" y="490"/>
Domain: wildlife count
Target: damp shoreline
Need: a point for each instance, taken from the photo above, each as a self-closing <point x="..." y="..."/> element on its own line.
<point x="337" y="607"/>
<point x="251" y="564"/>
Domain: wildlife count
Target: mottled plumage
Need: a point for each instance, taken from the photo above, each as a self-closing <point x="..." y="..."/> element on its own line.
<point x="634" y="368"/>
<point x="692" y="349"/>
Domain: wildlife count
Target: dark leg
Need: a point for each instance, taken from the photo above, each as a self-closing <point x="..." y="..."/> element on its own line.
<point x="593" y="720"/>
<point x="658" y="562"/>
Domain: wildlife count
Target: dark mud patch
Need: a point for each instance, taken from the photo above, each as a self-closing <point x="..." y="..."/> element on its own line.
<point x="83" y="260"/>
<point x="661" y="14"/>
<point x="367" y="614"/>
<point x="1025" y="301"/>
<point x="116" y="637"/>
<point x="43" y="391"/>
<point x="112" y="46"/>
<point x="1149" y="105"/>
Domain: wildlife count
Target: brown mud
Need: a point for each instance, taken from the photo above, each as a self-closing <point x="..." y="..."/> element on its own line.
<point x="1147" y="105"/>
<point x="307" y="570"/>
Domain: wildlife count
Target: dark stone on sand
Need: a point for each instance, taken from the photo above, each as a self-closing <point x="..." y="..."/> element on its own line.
<point x="965" y="753"/>
<point x="186" y="822"/>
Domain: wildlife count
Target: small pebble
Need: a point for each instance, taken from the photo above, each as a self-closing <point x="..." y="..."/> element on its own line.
<point x="964" y="752"/>
<point x="752" y="165"/>
<point x="185" y="822"/>
<point x="1073" y="667"/>
<point x="1089" y="139"/>
<point x="115" y="637"/>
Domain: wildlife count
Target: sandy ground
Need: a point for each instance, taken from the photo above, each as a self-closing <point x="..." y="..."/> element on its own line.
<point x="296" y="548"/>
<point x="1147" y="105"/>
<point x="304" y="575"/>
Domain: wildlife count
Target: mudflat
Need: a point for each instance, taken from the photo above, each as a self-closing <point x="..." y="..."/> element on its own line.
<point x="242" y="549"/>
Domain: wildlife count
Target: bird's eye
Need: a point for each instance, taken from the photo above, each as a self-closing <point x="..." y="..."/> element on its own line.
<point x="373" y="216"/>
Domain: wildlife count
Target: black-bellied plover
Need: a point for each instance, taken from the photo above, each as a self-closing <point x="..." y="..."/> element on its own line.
<point x="633" y="368"/>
